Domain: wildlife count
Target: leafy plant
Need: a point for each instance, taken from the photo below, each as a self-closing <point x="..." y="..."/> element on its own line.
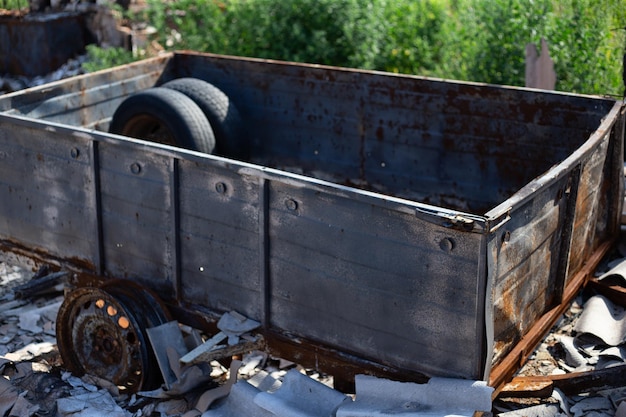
<point x="588" y="52"/>
<point x="475" y="40"/>
<point x="485" y="41"/>
<point x="414" y="38"/>
<point x="101" y="58"/>
<point x="14" y="4"/>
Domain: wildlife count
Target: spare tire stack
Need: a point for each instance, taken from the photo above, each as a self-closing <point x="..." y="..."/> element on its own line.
<point x="188" y="113"/>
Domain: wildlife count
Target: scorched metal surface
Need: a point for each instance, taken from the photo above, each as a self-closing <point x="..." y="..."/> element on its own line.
<point x="410" y="225"/>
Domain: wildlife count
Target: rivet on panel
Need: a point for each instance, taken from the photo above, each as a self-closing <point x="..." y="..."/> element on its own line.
<point x="74" y="153"/>
<point x="135" y="168"/>
<point x="291" y="204"/>
<point x="220" y="187"/>
<point x="446" y="244"/>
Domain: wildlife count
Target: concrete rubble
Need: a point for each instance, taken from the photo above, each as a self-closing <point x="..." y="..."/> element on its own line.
<point x="589" y="338"/>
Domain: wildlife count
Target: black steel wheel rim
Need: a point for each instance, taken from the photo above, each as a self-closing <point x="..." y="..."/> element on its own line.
<point x="99" y="334"/>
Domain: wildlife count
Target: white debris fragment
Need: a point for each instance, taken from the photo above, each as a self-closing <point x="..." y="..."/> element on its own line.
<point x="376" y="397"/>
<point x="541" y="410"/>
<point x="214" y="394"/>
<point x="90" y="404"/>
<point x="240" y="402"/>
<point x="234" y="325"/>
<point x="301" y="396"/>
<point x="10" y="274"/>
<point x="172" y="407"/>
<point x="263" y="381"/>
<point x="599" y="404"/>
<point x="28" y="321"/>
<point x="573" y="357"/>
<point x="604" y="320"/>
<point x="8" y="396"/>
<point x="617" y="271"/>
<point x="23" y="408"/>
<point x="30" y="351"/>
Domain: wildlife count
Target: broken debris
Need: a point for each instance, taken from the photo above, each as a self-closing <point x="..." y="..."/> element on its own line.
<point x="603" y="319"/>
<point x="264" y="386"/>
<point x="234" y="327"/>
<point x="438" y="397"/>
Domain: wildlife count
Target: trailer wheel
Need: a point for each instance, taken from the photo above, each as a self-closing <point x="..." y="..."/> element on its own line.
<point x="164" y="116"/>
<point x="102" y="331"/>
<point x="221" y="112"/>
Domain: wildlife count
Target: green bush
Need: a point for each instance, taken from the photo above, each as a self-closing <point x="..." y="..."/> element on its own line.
<point x="474" y="40"/>
<point x="414" y="38"/>
<point x="14" y="4"/>
<point x="102" y="58"/>
<point x="337" y="32"/>
<point x="487" y="38"/>
<point x="587" y="49"/>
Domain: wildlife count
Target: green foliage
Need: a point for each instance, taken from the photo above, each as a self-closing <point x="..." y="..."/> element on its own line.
<point x="487" y="38"/>
<point x="587" y="49"/>
<point x="101" y="58"/>
<point x="188" y="24"/>
<point x="13" y="4"/>
<point x="414" y="39"/>
<point x="337" y="32"/>
<point x="476" y="40"/>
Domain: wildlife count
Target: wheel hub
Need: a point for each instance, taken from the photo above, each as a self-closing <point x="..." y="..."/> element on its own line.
<point x="102" y="331"/>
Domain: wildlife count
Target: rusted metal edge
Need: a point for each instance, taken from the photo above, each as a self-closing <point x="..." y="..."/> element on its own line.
<point x="218" y="351"/>
<point x="615" y="293"/>
<point x="502" y="372"/>
<point x="38" y="257"/>
<point x="571" y="383"/>
<point x="562" y="169"/>
<point x="341" y="365"/>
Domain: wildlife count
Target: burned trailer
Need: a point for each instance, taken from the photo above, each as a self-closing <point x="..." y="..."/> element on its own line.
<point x="372" y="223"/>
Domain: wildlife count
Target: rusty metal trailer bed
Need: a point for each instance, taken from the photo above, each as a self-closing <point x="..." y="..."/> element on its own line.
<point x="379" y="223"/>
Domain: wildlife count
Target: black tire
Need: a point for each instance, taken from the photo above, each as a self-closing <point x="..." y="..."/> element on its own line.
<point x="165" y="116"/>
<point x="221" y="112"/>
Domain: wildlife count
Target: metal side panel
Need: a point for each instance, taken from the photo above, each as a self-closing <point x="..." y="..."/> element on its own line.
<point x="527" y="252"/>
<point x="137" y="214"/>
<point x="458" y="145"/>
<point x="376" y="281"/>
<point x="87" y="99"/>
<point x="46" y="191"/>
<point x="92" y="103"/>
<point x="219" y="238"/>
<point x="591" y="184"/>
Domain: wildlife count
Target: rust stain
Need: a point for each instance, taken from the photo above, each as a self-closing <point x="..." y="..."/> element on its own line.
<point x="43" y="256"/>
<point x="380" y="133"/>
